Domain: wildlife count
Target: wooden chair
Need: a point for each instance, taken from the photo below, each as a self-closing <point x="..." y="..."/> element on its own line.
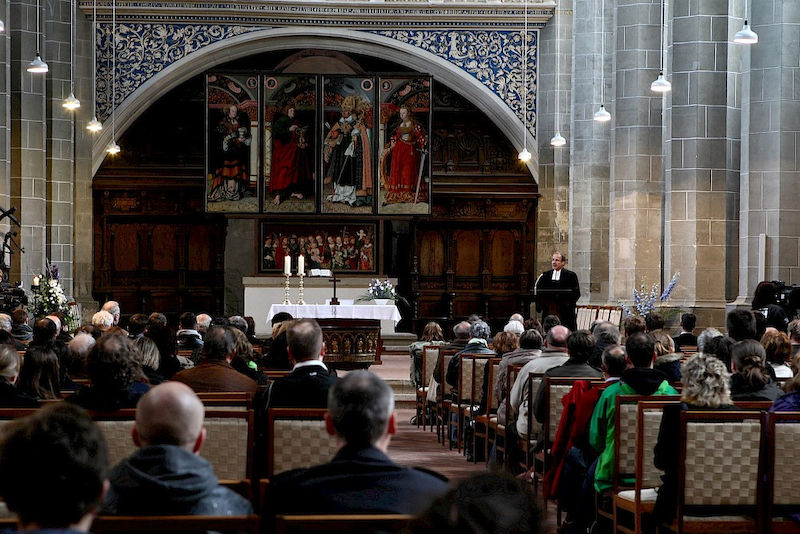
<point x="227" y="399"/>
<point x="351" y="523"/>
<point x="430" y="354"/>
<point x="444" y="396"/>
<point x="470" y="380"/>
<point x="528" y="443"/>
<point x="176" y="524"/>
<point x="297" y="438"/>
<point x="782" y="472"/>
<point x="481" y="421"/>
<point x="497" y="430"/>
<point x="641" y="499"/>
<point x="720" y="482"/>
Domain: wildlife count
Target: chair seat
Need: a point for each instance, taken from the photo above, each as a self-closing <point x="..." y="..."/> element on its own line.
<point x="647" y="496"/>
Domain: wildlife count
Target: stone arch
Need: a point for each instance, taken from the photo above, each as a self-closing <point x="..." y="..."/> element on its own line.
<point x="364" y="43"/>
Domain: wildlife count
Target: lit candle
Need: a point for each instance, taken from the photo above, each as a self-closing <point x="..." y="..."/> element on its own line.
<point x="36" y="281"/>
<point x="287" y="265"/>
<point x="301" y="265"/>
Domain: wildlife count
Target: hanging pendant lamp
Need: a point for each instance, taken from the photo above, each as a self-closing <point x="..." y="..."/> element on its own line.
<point x="558" y="139"/>
<point x="38" y="66"/>
<point x="525" y="156"/>
<point x="661" y="84"/>
<point x="113" y="147"/>
<point x="94" y="125"/>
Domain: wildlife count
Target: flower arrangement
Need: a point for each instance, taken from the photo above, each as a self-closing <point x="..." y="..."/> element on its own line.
<point x="380" y="289"/>
<point x="48" y="295"/>
<point x="647" y="301"/>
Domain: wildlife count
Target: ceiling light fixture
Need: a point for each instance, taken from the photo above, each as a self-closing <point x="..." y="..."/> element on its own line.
<point x="38" y="66"/>
<point x="113" y="147"/>
<point x="71" y="103"/>
<point x="94" y="125"/>
<point x="745" y="35"/>
<point x="525" y="156"/>
<point x="558" y="139"/>
<point x="661" y="84"/>
<point x="602" y="115"/>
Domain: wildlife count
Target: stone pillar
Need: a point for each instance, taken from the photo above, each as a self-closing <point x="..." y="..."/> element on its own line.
<point x="591" y="145"/>
<point x="636" y="169"/>
<point x="28" y="139"/>
<point x="552" y="230"/>
<point x="702" y="175"/>
<point x="5" y="120"/>
<point x="770" y="197"/>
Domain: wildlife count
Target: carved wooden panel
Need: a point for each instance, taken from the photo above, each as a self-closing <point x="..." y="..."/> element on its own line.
<point x="431" y="254"/>
<point x="503" y="253"/>
<point x="164" y="248"/>
<point x="200" y="258"/>
<point x="468" y="253"/>
<point x="125" y="239"/>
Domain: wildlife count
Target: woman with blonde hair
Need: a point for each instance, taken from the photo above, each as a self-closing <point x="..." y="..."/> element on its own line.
<point x="706" y="386"/>
<point x="150" y="358"/>
<point x="431" y="335"/>
<point x="667" y="360"/>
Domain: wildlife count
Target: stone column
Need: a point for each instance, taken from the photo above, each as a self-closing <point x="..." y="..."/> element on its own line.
<point x="28" y="139"/>
<point x="5" y="119"/>
<point x="591" y="145"/>
<point x="636" y="169"/>
<point x="770" y="197"/>
<point x="552" y="231"/>
<point x="702" y="175"/>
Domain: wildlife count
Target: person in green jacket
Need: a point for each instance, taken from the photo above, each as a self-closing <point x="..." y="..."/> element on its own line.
<point x="639" y="379"/>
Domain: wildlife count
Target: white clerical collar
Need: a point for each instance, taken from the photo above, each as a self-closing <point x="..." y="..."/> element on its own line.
<point x="309" y="362"/>
<point x="556" y="274"/>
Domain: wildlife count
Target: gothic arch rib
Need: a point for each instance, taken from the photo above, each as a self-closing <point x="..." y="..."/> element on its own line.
<point x="331" y="38"/>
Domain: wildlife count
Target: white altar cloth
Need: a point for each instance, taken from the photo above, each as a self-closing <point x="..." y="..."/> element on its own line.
<point x="387" y="312"/>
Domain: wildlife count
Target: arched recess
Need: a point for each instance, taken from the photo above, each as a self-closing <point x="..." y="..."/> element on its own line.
<point x="335" y="39"/>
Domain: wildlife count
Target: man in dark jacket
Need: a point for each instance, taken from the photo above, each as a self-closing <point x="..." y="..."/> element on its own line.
<point x="479" y="334"/>
<point x="308" y="384"/>
<point x="166" y="476"/>
<point x="361" y="478"/>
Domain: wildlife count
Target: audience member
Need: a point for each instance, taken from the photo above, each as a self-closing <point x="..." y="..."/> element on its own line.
<point x="705" y="387"/>
<point x="640" y="379"/>
<point x="308" y="384"/>
<point x="530" y="348"/>
<point x="741" y="324"/>
<point x="461" y="336"/>
<point x="505" y="342"/>
<point x="654" y="321"/>
<point x="633" y="324"/>
<point x="203" y="323"/>
<point x="6" y="325"/>
<point x="667" y="360"/>
<point x="20" y="328"/>
<point x="514" y="327"/>
<point x="39" y="375"/>
<point x="115" y="375"/>
<point x="53" y="468"/>
<point x="431" y="335"/>
<point x="361" y="478"/>
<point x="615" y="362"/>
<point x="79" y="349"/>
<point x="605" y="333"/>
<point x="278" y="357"/>
<point x="549" y="322"/>
<point x="112" y="307"/>
<point x="188" y="338"/>
<point x="102" y="320"/>
<point x="721" y="347"/>
<point x="237" y="321"/>
<point x="10" y="396"/>
<point x="243" y="361"/>
<point x="251" y="330"/>
<point x="790" y="400"/>
<point x="534" y="324"/>
<point x="164" y="338"/>
<point x="137" y="325"/>
<point x="517" y="317"/>
<point x="479" y="334"/>
<point x="778" y="349"/>
<point x="794" y="336"/>
<point x="487" y="503"/>
<point x="761" y="324"/>
<point x="686" y="336"/>
<point x="750" y="380"/>
<point x="64" y="334"/>
<point x="166" y="475"/>
<point x="580" y="347"/>
<point x="705" y="336"/>
<point x="90" y="330"/>
<point x="148" y="358"/>
<point x="214" y="372"/>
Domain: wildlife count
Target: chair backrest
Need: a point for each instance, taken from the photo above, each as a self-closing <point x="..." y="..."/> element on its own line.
<point x="782" y="468"/>
<point x="229" y="443"/>
<point x="493" y="402"/>
<point x="555" y="389"/>
<point x="585" y="316"/>
<point x="763" y="406"/>
<point x="430" y="354"/>
<point x="470" y="378"/>
<point x="648" y="425"/>
<point x="535" y="381"/>
<point x="480" y="377"/>
<point x="445" y="389"/>
<point x="626" y="433"/>
<point x="297" y="438"/>
<point x="720" y="459"/>
<point x="351" y="523"/>
<point x="227" y="399"/>
<point x="176" y="524"/>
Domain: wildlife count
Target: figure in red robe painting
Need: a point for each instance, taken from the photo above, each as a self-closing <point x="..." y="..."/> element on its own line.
<point x="405" y="182"/>
<point x="291" y="175"/>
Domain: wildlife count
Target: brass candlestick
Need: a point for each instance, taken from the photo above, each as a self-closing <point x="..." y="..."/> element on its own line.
<point x="286" y="300"/>
<point x="300" y="301"/>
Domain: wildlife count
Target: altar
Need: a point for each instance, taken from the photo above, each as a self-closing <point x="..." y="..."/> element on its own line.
<point x="352" y="333"/>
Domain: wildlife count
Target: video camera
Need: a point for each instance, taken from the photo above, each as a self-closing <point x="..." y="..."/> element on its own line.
<point x="787" y="297"/>
<point x="11" y="297"/>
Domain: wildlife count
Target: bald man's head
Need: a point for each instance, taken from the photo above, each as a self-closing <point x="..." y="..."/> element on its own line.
<point x="170" y="414"/>
<point x="557" y="337"/>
